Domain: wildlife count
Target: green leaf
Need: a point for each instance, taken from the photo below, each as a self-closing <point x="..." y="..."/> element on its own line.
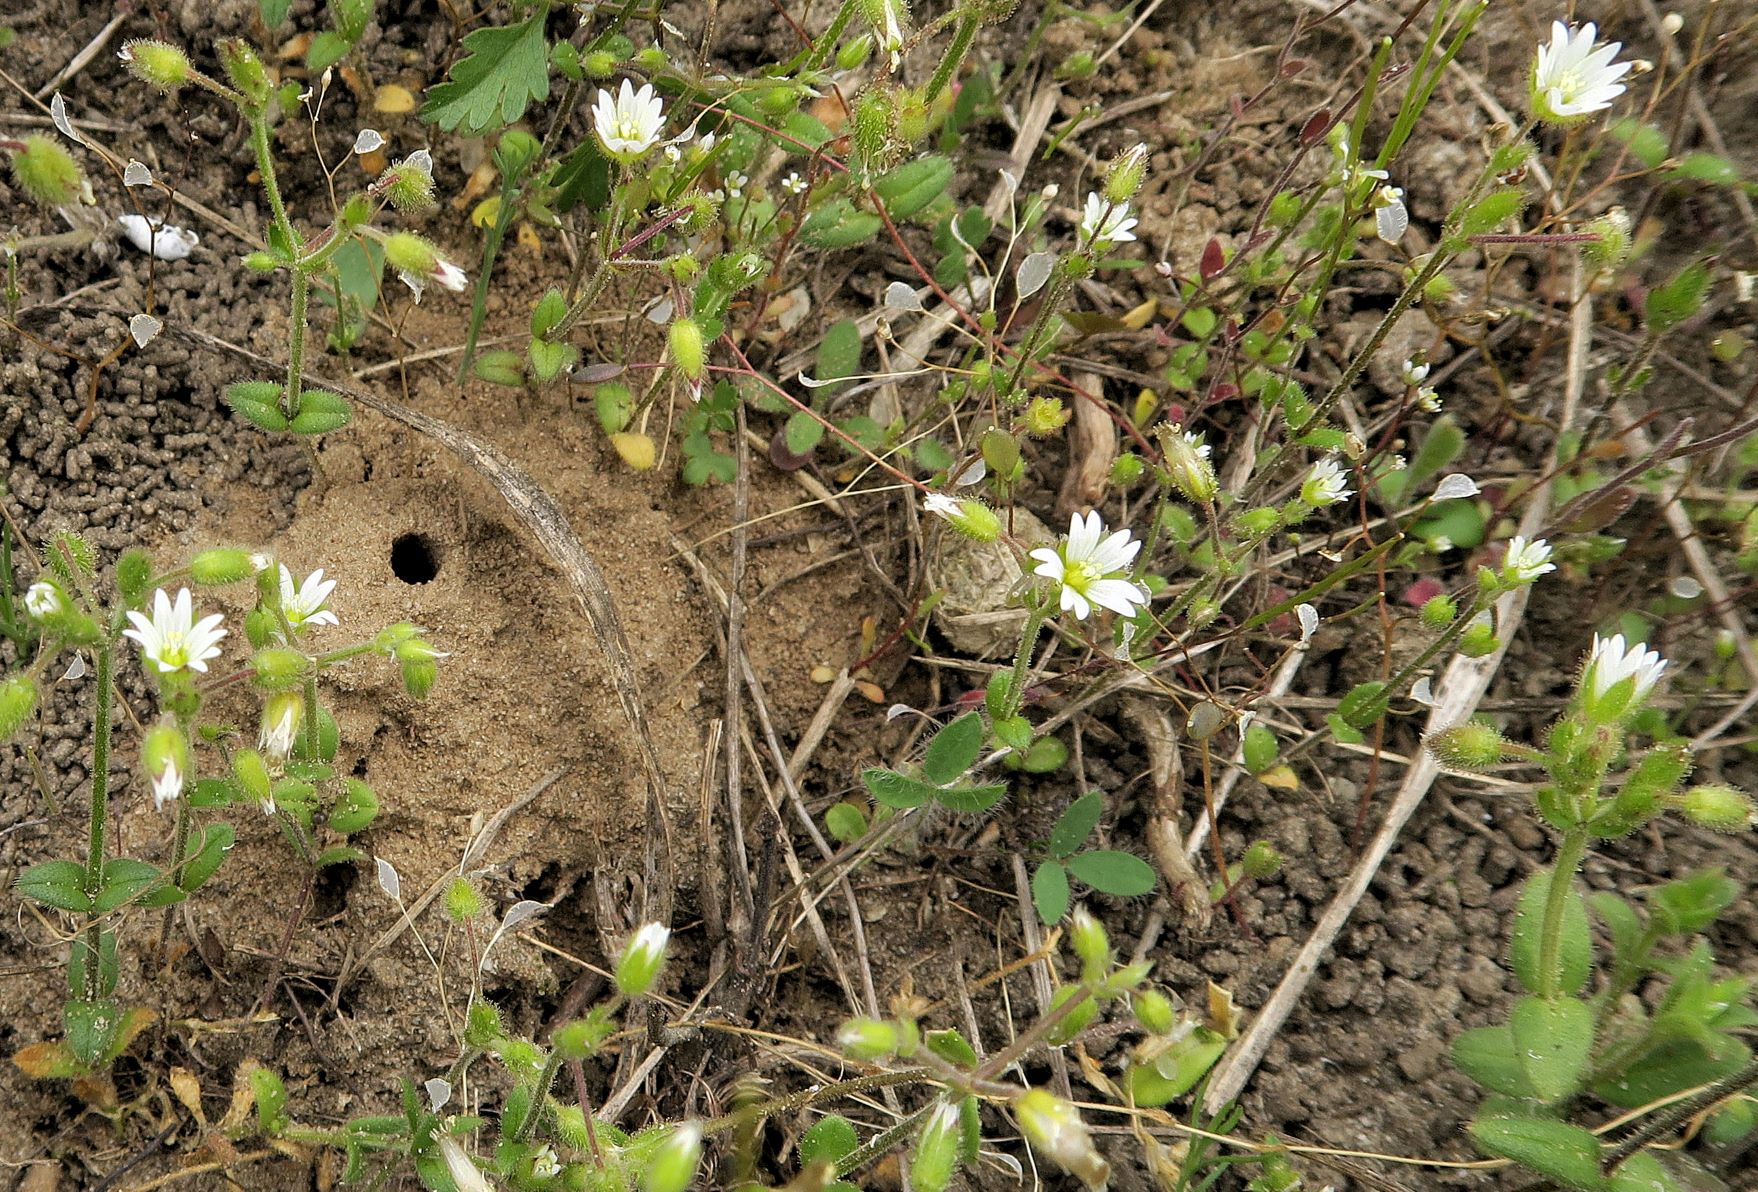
<point x="1365" y="703"/>
<point x="549" y="360"/>
<point x="1346" y="733"/>
<point x="1050" y="892"/>
<point x="551" y="309"/>
<point x="971" y="798"/>
<point x="91" y="1029"/>
<point x="911" y="186"/>
<point x="951" y="1046"/>
<point x="1647" y="144"/>
<point x="1567" y="1154"/>
<point x="896" y="790"/>
<point x="60" y="884"/>
<point x="1076" y="824"/>
<point x="1689" y="905"/>
<point x="216" y="841"/>
<point x="831" y="1139"/>
<point x="805" y="133"/>
<point x="1621" y="921"/>
<point x="1492" y="211"/>
<point x="1642" y="1172"/>
<point x="837" y="224"/>
<point x="1261" y="749"/>
<point x="259" y="402"/>
<point x="1124" y="875"/>
<point x="845" y="822"/>
<point x="1668" y="1068"/>
<point x="1707" y="167"/>
<point x="124" y="880"/>
<point x="320" y="413"/>
<point x="839" y="354"/>
<point x="505" y="70"/>
<point x="340" y="854"/>
<point x="1553" y="1038"/>
<point x="355" y="808"/>
<point x="1015" y="732"/>
<point x="953" y="750"/>
<point x="273" y="11"/>
<point x="1575" y="952"/>
<point x="582" y="177"/>
<point x="1487" y="1056"/>
<point x="1678" y="299"/>
<point x="802" y="432"/>
<point x="327" y="49"/>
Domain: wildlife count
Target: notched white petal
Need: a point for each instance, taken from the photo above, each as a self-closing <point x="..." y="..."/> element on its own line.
<point x="144" y="329"/>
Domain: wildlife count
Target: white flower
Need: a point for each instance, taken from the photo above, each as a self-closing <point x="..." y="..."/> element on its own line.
<point x="793" y="183"/>
<point x="1104" y="223"/>
<point x="1390" y="217"/>
<point x="304" y="605"/>
<point x="1428" y="401"/>
<point x="891" y="36"/>
<point x="1325" y="484"/>
<point x="42" y="599"/>
<point x="1414" y="373"/>
<point x="167" y="783"/>
<point x="1571" y="79"/>
<point x="736" y="183"/>
<point x="627" y="125"/>
<point x="280" y="724"/>
<point x="1088" y="568"/>
<point x="448" y="276"/>
<point x="673" y="154"/>
<point x="1526" y="561"/>
<point x="261" y="561"/>
<point x="1349" y="176"/>
<point x="172" y="638"/>
<point x="1611" y="662"/>
<point x="151" y="234"/>
<point x="941" y="504"/>
<point x="1187" y="463"/>
<point x="466" y="1177"/>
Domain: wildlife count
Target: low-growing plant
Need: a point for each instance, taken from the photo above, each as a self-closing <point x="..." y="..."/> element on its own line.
<point x="190" y="760"/>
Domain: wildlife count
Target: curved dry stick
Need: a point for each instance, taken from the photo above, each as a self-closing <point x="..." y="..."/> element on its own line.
<point x="537" y="510"/>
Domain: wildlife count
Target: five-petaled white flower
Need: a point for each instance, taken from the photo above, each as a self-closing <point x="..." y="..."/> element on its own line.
<point x="1104" y="223"/>
<point x="1413" y="373"/>
<point x="627" y="124"/>
<point x="1325" y="484"/>
<point x="793" y="183"/>
<point x="1089" y="567"/>
<point x="42" y="599"/>
<point x="172" y="638"/>
<point x="1610" y="663"/>
<point x="304" y="605"/>
<point x="1526" y="561"/>
<point x="1571" y="79"/>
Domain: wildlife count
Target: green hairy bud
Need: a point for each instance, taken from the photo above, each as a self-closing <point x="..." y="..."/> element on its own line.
<point x="47" y="172"/>
<point x="156" y="62"/>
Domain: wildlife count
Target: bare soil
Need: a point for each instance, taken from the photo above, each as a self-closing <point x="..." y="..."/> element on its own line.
<point x="524" y="701"/>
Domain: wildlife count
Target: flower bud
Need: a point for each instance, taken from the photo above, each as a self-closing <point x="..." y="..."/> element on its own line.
<point x="280" y="723"/>
<point x="1154" y="1011"/>
<point x="936" y="1154"/>
<point x="584" y="1037"/>
<point x="416" y="658"/>
<point x="411" y="254"/>
<point x="482" y="1025"/>
<point x="688" y="351"/>
<point x="1053" y="1128"/>
<point x="672" y="1165"/>
<point x="875" y="129"/>
<point x="252" y="773"/>
<point x="1086" y="935"/>
<point x="278" y="668"/>
<point x="408" y="184"/>
<point x="1127" y="469"/>
<point x="599" y="64"/>
<point x="1261" y="861"/>
<point x="463" y="901"/>
<point x="164" y="755"/>
<point x="245" y="70"/>
<point x="1718" y="806"/>
<point x="47" y="172"/>
<point x="1045" y="416"/>
<point x="465" y="1175"/>
<point x="1187" y="464"/>
<point x="1469" y="746"/>
<point x="1438" y="612"/>
<point x="643" y="956"/>
<point x="156" y="62"/>
<point x="854" y="53"/>
<point x="18" y="698"/>
<point x="1479" y="638"/>
<point x="1125" y="176"/>
<point x="260" y="627"/>
<point x="869" y="1038"/>
<point x="1077" y="1019"/>
<point x="968" y="516"/>
<point x="223" y="565"/>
